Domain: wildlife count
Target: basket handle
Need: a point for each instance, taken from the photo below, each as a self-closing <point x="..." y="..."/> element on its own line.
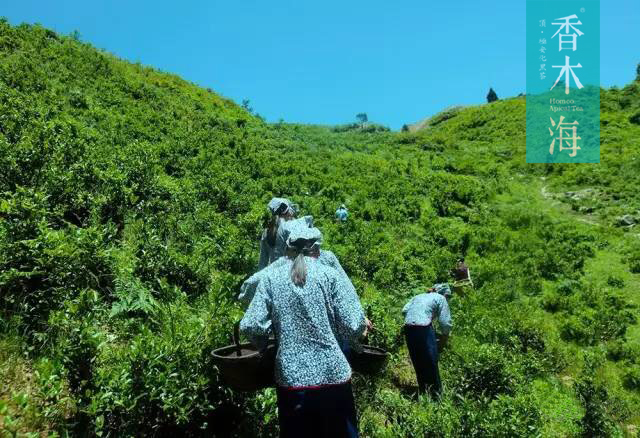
<point x="236" y="338"/>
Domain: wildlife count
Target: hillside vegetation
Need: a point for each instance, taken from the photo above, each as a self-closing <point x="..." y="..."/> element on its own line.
<point x="131" y="203"/>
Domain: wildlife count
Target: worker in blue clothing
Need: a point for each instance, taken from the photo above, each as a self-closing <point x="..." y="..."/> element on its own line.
<point x="325" y="257"/>
<point x="310" y="308"/>
<point x="342" y="213"/>
<point x="282" y="210"/>
<point x="420" y="335"/>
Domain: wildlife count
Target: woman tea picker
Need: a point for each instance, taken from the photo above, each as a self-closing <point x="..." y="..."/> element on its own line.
<point x="326" y="257"/>
<point x="274" y="236"/>
<point x="281" y="210"/>
<point x="309" y="307"/>
<point x="421" y="337"/>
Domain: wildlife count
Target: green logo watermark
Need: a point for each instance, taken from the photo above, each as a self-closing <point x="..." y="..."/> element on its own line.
<point x="563" y="81"/>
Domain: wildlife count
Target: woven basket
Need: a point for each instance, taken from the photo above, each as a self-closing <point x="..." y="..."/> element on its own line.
<point x="370" y="361"/>
<point x="242" y="367"/>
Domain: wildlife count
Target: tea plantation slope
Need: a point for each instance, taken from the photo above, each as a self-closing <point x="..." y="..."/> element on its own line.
<point x="131" y="203"/>
<point x="597" y="195"/>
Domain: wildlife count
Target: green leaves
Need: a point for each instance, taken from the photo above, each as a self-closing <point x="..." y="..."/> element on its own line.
<point x="131" y="204"/>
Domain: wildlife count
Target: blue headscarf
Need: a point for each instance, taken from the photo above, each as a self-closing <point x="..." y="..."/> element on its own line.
<point x="443" y="289"/>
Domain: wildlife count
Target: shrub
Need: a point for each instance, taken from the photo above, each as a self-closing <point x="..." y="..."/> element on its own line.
<point x="593" y="396"/>
<point x="164" y="382"/>
<point x="131" y="205"/>
<point x="484" y="373"/>
<point x="513" y="416"/>
<point x="34" y="395"/>
<point x="614" y="281"/>
<point x="631" y="379"/>
<point x="568" y="287"/>
<point x="552" y="302"/>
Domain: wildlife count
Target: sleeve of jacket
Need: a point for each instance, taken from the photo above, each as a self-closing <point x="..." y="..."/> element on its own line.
<point x="406" y="307"/>
<point x="350" y="319"/>
<point x="248" y="288"/>
<point x="281" y="241"/>
<point x="256" y="323"/>
<point x="444" y="318"/>
<point x="332" y="260"/>
<point x="250" y="285"/>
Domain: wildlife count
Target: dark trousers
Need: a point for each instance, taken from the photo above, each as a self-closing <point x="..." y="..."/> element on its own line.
<point x="327" y="411"/>
<point x="423" y="350"/>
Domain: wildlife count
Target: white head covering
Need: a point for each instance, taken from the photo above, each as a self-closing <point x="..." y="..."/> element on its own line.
<point x="300" y="236"/>
<point x="276" y="203"/>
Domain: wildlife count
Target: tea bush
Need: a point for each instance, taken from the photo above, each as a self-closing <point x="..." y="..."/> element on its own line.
<point x="594" y="397"/>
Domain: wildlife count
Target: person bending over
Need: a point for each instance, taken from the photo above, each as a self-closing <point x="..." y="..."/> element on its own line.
<point x="419" y="314"/>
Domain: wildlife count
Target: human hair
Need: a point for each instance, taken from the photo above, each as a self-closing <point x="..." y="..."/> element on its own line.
<point x="297" y="253"/>
<point x="272" y="228"/>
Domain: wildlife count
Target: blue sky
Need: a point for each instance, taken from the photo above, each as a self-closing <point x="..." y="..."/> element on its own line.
<point x="324" y="62"/>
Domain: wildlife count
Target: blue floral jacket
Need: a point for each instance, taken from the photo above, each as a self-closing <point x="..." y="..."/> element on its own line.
<point x="308" y="322"/>
<point x="423" y="308"/>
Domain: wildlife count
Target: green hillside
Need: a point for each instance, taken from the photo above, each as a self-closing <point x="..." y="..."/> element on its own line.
<point x="131" y="203"/>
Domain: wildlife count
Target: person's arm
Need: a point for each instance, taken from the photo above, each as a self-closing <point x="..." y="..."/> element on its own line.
<point x="256" y="323"/>
<point x="350" y="319"/>
<point x="282" y="234"/>
<point x="331" y="260"/>
<point x="248" y="288"/>
<point x="444" y="317"/>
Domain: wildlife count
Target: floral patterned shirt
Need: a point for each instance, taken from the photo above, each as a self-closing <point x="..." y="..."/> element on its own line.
<point x="328" y="258"/>
<point x="307" y="321"/>
<point x="424" y="307"/>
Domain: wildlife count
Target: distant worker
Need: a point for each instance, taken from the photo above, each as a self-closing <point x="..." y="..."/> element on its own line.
<point x="308" y="307"/>
<point x="342" y="213"/>
<point x="461" y="271"/>
<point x="281" y="210"/>
<point x="420" y="335"/>
<point x="462" y="277"/>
